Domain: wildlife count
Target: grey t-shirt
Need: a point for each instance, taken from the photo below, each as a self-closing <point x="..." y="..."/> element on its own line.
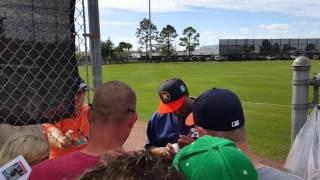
<point x="269" y="173"/>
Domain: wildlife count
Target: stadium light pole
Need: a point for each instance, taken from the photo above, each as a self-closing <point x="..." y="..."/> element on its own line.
<point x="109" y="48"/>
<point x="175" y="47"/>
<point x="150" y="45"/>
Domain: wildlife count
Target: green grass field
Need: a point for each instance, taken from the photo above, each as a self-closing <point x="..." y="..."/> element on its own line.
<point x="263" y="86"/>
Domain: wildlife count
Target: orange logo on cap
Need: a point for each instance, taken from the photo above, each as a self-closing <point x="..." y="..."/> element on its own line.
<point x="165" y="96"/>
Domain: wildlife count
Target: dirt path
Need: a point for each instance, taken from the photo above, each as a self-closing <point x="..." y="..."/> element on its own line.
<point x="137" y="137"/>
<point x="137" y="140"/>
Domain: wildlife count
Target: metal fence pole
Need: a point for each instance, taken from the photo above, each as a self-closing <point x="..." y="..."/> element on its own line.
<point x="300" y="86"/>
<point x="86" y="51"/>
<point x="95" y="46"/>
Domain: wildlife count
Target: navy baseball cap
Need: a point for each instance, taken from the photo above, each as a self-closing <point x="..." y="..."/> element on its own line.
<point x="172" y="93"/>
<point x="218" y="110"/>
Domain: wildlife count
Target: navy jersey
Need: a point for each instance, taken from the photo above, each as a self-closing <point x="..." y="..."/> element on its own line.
<point x="165" y="128"/>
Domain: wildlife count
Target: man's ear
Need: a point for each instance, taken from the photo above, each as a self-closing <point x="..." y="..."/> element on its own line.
<point x="201" y="131"/>
<point x="133" y="120"/>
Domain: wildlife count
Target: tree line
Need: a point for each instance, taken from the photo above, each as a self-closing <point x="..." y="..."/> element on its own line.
<point x="108" y="49"/>
<point x="162" y="42"/>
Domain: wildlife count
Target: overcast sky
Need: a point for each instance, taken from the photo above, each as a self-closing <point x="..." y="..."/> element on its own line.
<point x="213" y="19"/>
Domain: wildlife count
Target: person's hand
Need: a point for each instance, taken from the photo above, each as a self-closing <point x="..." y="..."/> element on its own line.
<point x="184" y="140"/>
<point x="168" y="151"/>
<point x="66" y="140"/>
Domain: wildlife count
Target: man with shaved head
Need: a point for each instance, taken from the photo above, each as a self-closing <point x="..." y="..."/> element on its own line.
<point x="112" y="116"/>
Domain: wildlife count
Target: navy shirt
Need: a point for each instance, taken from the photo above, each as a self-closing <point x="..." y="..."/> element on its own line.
<point x="165" y="128"/>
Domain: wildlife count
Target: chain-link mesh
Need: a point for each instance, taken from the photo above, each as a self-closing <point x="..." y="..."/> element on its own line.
<point x="38" y="44"/>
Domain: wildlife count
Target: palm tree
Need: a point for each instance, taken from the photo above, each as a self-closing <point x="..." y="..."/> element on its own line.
<point x="190" y="39"/>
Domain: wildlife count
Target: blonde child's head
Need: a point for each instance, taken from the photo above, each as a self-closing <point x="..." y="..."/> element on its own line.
<point x="33" y="148"/>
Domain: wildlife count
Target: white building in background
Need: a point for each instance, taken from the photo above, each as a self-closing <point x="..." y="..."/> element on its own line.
<point x="203" y="50"/>
<point x="207" y="50"/>
<point x="135" y="54"/>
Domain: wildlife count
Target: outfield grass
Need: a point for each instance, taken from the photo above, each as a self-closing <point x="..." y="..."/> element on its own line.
<point x="263" y="86"/>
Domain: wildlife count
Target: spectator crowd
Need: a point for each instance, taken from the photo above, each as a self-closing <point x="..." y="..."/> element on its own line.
<point x="192" y="138"/>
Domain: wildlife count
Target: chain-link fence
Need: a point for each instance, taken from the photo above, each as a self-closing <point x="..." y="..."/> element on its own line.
<point x="39" y="43"/>
<point x="259" y="48"/>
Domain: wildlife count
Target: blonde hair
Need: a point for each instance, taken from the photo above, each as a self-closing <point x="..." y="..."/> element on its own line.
<point x="33" y="148"/>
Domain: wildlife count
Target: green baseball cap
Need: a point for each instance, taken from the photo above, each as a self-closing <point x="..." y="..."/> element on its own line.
<point x="214" y="158"/>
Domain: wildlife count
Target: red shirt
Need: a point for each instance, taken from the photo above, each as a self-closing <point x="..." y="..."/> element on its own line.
<point x="69" y="166"/>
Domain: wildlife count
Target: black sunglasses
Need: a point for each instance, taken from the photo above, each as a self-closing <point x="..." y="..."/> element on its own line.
<point x="131" y="110"/>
